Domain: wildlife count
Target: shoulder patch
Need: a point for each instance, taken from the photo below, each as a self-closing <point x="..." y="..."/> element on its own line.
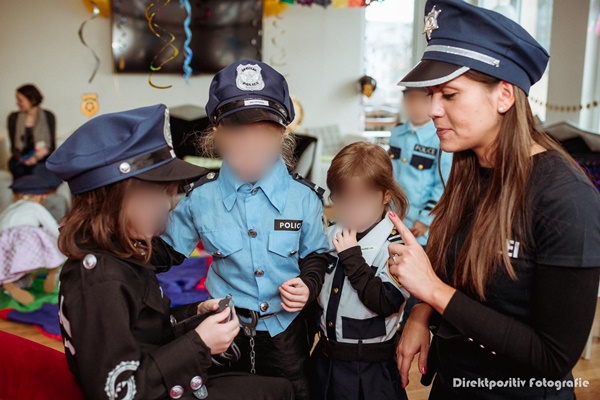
<point x="394" y="237"/>
<point x="211" y="176"/>
<point x="313" y="186"/>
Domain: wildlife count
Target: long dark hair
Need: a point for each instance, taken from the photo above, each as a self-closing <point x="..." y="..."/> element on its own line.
<point x="497" y="210"/>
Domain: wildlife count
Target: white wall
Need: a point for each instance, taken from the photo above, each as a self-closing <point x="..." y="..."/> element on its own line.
<point x="39" y="43"/>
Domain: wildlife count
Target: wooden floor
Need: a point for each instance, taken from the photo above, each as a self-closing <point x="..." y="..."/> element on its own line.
<point x="585" y="369"/>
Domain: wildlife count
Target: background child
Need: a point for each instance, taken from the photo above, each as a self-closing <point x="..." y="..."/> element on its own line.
<point x="115" y="321"/>
<point x="361" y="302"/>
<point x="28" y="238"/>
<point x="262" y="226"/>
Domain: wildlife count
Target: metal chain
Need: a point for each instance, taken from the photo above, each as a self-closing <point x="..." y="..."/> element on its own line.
<point x="252" y="356"/>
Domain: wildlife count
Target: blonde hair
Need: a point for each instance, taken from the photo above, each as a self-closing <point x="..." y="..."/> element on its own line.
<point x="206" y="144"/>
<point x="369" y="162"/>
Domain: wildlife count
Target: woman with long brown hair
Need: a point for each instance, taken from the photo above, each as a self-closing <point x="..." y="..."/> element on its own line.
<point x="510" y="278"/>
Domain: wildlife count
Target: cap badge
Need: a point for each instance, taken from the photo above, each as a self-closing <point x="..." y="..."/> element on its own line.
<point x="249" y="77"/>
<point x="167" y="129"/>
<point x="431" y="23"/>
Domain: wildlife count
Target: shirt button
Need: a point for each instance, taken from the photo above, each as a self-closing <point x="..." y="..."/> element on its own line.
<point x="196" y="383"/>
<point x="413" y="132"/>
<point x="493" y="352"/>
<point x="420" y="166"/>
<point x="259" y="273"/>
<point x="254" y="191"/>
<point x="217" y="254"/>
<point x="404" y="160"/>
<point x="336" y="290"/>
<point x="176" y="392"/>
<point x="330" y="324"/>
<point x="470" y="339"/>
<point x="252" y="233"/>
<point x="293" y="252"/>
<point x="264" y="306"/>
<point x="482" y="346"/>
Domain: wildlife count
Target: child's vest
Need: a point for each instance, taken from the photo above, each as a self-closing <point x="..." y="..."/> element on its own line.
<point x="352" y="315"/>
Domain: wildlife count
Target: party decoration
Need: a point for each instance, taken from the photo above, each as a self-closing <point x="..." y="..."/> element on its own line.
<point x="89" y="104"/>
<point x="82" y="40"/>
<point x="155" y="28"/>
<point x="102" y="5"/>
<point x="119" y="43"/>
<point x="565" y="108"/>
<point x="299" y="112"/>
<point x="367" y="85"/>
<point x="272" y="8"/>
<point x="187" y="51"/>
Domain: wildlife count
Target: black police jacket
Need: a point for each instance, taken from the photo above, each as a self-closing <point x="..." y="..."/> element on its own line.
<point x="117" y="332"/>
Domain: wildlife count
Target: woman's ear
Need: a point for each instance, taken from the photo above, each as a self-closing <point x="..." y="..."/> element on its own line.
<point x="506" y="96"/>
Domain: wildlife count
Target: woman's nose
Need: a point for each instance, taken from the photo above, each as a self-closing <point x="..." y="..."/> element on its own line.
<point x="436" y="110"/>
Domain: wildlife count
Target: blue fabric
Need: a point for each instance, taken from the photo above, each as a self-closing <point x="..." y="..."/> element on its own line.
<point x="226" y="88"/>
<point x="522" y="59"/>
<point x="423" y="187"/>
<point x="180" y="284"/>
<point x="91" y="156"/>
<point x="222" y="212"/>
<point x="30" y="184"/>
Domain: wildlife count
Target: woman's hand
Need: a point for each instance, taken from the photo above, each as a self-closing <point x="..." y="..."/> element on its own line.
<point x="208" y="306"/>
<point x="410" y="265"/>
<point x="294" y="295"/>
<point x="344" y="240"/>
<point x="217" y="334"/>
<point x="415" y="340"/>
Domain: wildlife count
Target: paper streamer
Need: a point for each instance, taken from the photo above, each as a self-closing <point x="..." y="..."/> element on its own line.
<point x="187" y="51"/>
<point x="154" y="27"/>
<point x="81" y="38"/>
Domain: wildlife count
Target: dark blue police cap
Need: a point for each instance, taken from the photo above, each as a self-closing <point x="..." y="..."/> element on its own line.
<point x="463" y="37"/>
<point x="118" y="146"/>
<point x="249" y="91"/>
<point x="30" y="184"/>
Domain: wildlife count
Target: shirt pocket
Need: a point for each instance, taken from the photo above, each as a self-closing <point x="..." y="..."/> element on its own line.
<point x="284" y="243"/>
<point x="222" y="243"/>
<point x="394" y="152"/>
<point x="421" y="162"/>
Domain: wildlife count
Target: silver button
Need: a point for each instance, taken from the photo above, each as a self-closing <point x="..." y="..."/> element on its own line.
<point x="293" y="252"/>
<point x="196" y="383"/>
<point x="254" y="191"/>
<point x="176" y="392"/>
<point x="482" y="346"/>
<point x="252" y="233"/>
<point x="259" y="272"/>
<point x="470" y="339"/>
<point x="264" y="306"/>
<point x="89" y="261"/>
<point x="125" y="168"/>
<point x="173" y="320"/>
<point x="493" y="352"/>
<point x="210" y="176"/>
<point x="217" y="254"/>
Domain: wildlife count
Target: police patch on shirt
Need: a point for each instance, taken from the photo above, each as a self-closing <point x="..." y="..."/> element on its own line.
<point x="432" y="151"/>
<point x="249" y="77"/>
<point x="288" y="225"/>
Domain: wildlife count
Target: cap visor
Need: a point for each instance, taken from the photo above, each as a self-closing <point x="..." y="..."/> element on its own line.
<point x="249" y="116"/>
<point x="174" y="170"/>
<point x="432" y="73"/>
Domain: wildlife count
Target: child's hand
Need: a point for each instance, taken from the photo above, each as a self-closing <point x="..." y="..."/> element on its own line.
<point x="345" y="240"/>
<point x="294" y="295"/>
<point x="208" y="306"/>
<point x="419" y="229"/>
<point x="216" y="334"/>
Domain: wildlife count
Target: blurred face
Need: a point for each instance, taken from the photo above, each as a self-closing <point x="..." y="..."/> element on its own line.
<point x="147" y="207"/>
<point x="467" y="114"/>
<point x="416" y="106"/>
<point x="23" y="102"/>
<point x="251" y="149"/>
<point x="358" y="206"/>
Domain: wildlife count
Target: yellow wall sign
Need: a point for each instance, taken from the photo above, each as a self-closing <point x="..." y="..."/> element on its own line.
<point x="89" y="104"/>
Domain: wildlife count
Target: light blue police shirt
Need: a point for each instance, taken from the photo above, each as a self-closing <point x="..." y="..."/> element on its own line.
<point x="256" y="235"/>
<point x="414" y="154"/>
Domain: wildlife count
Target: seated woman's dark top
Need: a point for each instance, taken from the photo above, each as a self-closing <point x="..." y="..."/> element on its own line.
<point x="535" y="327"/>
